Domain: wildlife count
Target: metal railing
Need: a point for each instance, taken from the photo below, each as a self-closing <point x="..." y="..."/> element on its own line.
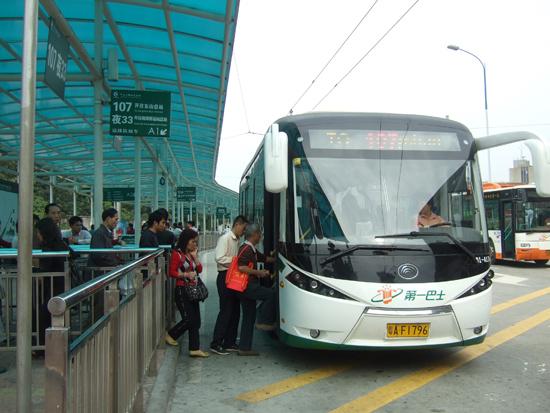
<point x="44" y="286"/>
<point x="102" y="369"/>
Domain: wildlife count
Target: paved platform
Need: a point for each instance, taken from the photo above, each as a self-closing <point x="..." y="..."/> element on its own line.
<point x="508" y="373"/>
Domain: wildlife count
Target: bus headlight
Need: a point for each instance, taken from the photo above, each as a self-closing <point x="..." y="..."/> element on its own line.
<point x="306" y="283"/>
<point x="482" y="285"/>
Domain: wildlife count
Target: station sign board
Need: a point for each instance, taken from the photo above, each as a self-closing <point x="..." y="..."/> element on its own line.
<point x="221" y="212"/>
<point x="140" y="113"/>
<point x="118" y="194"/>
<point x="57" y="54"/>
<point x="186" y="211"/>
<point x="186" y="193"/>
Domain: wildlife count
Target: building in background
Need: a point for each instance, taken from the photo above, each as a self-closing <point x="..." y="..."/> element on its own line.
<point x="522" y="172"/>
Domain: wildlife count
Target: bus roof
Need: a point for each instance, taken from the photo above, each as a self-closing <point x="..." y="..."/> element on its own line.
<point x="305" y="117"/>
<point x="505" y="186"/>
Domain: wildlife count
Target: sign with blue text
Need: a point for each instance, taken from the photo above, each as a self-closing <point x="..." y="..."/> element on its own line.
<point x="140" y="113"/>
<point x="56" y="61"/>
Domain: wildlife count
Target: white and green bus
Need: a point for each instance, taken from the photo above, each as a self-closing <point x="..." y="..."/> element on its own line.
<point x="380" y="228"/>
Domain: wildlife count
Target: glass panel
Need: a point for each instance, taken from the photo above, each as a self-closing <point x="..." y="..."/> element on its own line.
<point x="533" y="216"/>
<point x="491" y="212"/>
<point x="355" y="200"/>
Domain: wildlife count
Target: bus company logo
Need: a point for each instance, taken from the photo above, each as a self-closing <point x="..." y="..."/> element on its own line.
<point x="407" y="271"/>
<point x="386" y="294"/>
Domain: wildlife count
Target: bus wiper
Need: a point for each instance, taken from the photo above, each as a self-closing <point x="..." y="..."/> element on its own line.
<point x="349" y="250"/>
<point x="414" y="234"/>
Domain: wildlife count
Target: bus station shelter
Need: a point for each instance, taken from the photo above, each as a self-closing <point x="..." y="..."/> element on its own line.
<point x="62" y="64"/>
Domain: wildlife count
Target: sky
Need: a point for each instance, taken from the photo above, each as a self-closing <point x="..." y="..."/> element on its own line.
<point x="281" y="45"/>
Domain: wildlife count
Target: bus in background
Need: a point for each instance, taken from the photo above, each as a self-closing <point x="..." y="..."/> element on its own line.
<point x="380" y="228"/>
<point x="518" y="220"/>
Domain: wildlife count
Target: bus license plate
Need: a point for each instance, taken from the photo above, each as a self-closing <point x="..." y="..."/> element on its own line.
<point x="406" y="330"/>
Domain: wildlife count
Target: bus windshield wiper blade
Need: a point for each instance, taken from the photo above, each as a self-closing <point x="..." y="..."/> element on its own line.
<point x="414" y="234"/>
<point x="349" y="250"/>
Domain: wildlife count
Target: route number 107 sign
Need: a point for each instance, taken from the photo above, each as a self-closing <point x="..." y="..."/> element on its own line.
<point x="139" y="113"/>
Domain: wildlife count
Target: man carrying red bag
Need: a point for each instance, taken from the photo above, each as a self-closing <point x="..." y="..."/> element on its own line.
<point x="248" y="260"/>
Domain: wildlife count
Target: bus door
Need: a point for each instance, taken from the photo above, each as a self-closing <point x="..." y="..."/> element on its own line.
<point x="508" y="236"/>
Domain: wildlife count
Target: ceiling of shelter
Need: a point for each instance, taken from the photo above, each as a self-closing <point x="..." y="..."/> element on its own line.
<point x="180" y="46"/>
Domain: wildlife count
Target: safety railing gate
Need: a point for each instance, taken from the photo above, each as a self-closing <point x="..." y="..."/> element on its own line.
<point x="102" y="369"/>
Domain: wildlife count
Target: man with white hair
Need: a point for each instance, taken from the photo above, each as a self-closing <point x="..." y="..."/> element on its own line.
<point x="249" y="257"/>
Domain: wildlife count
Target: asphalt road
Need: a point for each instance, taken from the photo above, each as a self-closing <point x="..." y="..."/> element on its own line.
<point x="507" y="373"/>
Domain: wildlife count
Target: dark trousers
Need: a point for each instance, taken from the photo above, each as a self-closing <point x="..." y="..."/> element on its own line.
<point x="190" y="319"/>
<point x="227" y="323"/>
<point x="267" y="311"/>
<point x="52" y="286"/>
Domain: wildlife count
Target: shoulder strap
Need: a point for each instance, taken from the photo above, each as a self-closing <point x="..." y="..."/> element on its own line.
<point x="243" y="250"/>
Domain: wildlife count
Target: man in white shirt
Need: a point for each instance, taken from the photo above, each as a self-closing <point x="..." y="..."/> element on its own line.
<point x="227" y="323"/>
<point x="77" y="235"/>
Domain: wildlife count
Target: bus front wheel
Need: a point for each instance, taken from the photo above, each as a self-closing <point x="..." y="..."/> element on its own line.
<point x="540" y="263"/>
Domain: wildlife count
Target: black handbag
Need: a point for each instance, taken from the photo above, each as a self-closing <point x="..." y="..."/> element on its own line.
<point x="196" y="291"/>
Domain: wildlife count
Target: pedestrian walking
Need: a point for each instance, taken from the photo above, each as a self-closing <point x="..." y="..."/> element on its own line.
<point x="185" y="267"/>
<point x="227" y="322"/>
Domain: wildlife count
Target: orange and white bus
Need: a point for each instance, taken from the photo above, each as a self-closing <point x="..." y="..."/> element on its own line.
<point x="518" y="221"/>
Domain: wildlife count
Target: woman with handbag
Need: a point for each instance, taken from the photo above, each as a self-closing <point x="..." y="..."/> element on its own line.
<point x="185" y="267"/>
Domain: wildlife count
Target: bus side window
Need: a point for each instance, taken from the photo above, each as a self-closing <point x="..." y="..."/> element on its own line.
<point x="491" y="214"/>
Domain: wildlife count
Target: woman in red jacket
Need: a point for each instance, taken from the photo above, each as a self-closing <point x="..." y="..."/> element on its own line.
<point x="186" y="267"/>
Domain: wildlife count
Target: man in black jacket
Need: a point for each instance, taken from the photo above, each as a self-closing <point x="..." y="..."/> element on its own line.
<point x="165" y="236"/>
<point x="103" y="238"/>
<point x="155" y="225"/>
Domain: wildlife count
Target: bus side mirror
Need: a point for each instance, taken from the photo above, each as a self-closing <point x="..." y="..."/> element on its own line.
<point x="276" y="160"/>
<point x="540" y="152"/>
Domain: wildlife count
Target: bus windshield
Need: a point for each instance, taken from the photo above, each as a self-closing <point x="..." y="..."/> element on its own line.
<point x="533" y="216"/>
<point x="356" y="200"/>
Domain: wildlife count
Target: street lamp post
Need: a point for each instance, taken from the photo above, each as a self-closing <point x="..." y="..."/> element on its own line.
<point x="456" y="48"/>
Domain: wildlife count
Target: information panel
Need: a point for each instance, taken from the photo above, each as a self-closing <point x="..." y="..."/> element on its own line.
<point x="56" y="61"/>
<point x="139" y="113"/>
<point x="186" y="193"/>
<point x="118" y="194"/>
<point x="221" y="212"/>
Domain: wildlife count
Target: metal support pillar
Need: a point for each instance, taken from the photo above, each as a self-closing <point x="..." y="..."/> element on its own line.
<point x="74" y="200"/>
<point x="137" y="190"/>
<point x="174" y="210"/>
<point x="167" y="199"/>
<point x="98" y="116"/>
<point x="26" y="194"/>
<point x="155" y="186"/>
<point x="52" y="183"/>
<point x="203" y="216"/>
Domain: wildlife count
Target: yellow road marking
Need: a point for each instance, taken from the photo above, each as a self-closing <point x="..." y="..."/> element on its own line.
<point x="295" y="382"/>
<point x="291" y="383"/>
<point x="384" y="395"/>
<point x="519" y="300"/>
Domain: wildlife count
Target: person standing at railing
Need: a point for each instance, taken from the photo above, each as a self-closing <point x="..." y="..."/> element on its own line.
<point x="103" y="238"/>
<point x="50" y="239"/>
<point x="155" y="224"/>
<point x="165" y="237"/>
<point x="77" y="234"/>
<point x="185" y="267"/>
<point x="53" y="211"/>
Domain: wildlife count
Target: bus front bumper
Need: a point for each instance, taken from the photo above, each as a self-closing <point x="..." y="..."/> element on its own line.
<point x="461" y="322"/>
